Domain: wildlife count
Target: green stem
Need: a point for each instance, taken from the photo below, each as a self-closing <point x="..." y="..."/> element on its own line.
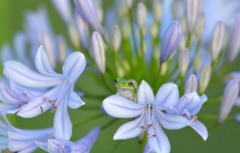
<point x="105" y="126"/>
<point x="89" y="119"/>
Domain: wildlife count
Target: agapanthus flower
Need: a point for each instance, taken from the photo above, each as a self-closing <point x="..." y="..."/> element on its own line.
<point x="58" y="89"/>
<point x="82" y="145"/>
<point x="152" y="113"/>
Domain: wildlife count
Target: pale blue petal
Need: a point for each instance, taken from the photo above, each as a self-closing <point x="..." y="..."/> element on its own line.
<point x="121" y="107"/>
<point x="42" y="63"/>
<point x="42" y="145"/>
<point x="145" y="94"/>
<point x="64" y="9"/>
<point x="85" y="144"/>
<point x="62" y="124"/>
<point x="74" y="66"/>
<point x="172" y="122"/>
<point x="59" y="146"/>
<point x="200" y="129"/>
<point x="130" y="129"/>
<point x="88" y="11"/>
<point x="24" y="76"/>
<point x="75" y="101"/>
<point x="167" y="96"/>
<point x="160" y="142"/>
<point x="39" y="105"/>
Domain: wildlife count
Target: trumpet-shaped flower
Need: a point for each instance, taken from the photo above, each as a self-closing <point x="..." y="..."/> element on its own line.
<point x="57" y="88"/>
<point x="83" y="145"/>
<point x="151" y="112"/>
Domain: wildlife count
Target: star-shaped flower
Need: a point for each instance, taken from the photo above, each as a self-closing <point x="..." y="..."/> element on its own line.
<point x="57" y="88"/>
<point x="150" y="114"/>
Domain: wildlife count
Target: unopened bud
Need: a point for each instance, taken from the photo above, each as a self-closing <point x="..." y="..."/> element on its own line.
<point x="88" y="12"/>
<point x="157" y="9"/>
<point x="83" y="30"/>
<point x="64" y="9"/>
<point x="128" y="3"/>
<point x="191" y="13"/>
<point x="229" y="97"/>
<point x="171" y="39"/>
<point x="164" y="69"/>
<point x="116" y="38"/>
<point x="197" y="61"/>
<point x="217" y="39"/>
<point x="235" y="39"/>
<point x="141" y="14"/>
<point x="201" y="20"/>
<point x="98" y="51"/>
<point x="182" y="43"/>
<point x="183" y="61"/>
<point x="154" y="29"/>
<point x="191" y="84"/>
<point x="204" y="78"/>
<point x="73" y="33"/>
<point x="62" y="49"/>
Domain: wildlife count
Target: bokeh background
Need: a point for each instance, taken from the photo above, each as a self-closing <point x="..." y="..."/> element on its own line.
<point x="222" y="139"/>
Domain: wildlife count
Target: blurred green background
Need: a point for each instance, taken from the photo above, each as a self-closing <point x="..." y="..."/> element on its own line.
<point x="225" y="138"/>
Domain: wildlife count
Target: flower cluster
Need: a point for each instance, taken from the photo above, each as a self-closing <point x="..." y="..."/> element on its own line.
<point x="174" y="57"/>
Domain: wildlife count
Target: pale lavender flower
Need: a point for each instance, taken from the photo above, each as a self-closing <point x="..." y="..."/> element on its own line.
<point x="171" y="39"/>
<point x="88" y="12"/>
<point x="3" y="136"/>
<point x="83" y="145"/>
<point x="58" y="88"/>
<point x="22" y="140"/>
<point x="150" y="113"/>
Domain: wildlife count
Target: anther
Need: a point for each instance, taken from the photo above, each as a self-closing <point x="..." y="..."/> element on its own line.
<point x="51" y="101"/>
<point x="142" y="127"/>
<point x="41" y="108"/>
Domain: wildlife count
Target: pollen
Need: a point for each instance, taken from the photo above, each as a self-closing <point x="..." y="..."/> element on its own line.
<point x="51" y="101"/>
<point x="142" y="127"/>
<point x="54" y="107"/>
<point x="149" y="125"/>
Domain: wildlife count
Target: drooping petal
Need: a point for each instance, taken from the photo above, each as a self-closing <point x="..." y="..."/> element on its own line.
<point x="200" y="129"/>
<point x="24" y="76"/>
<point x="74" y="66"/>
<point x="121" y="107"/>
<point x="172" y="122"/>
<point x="160" y="142"/>
<point x="62" y="124"/>
<point x="42" y="63"/>
<point x="145" y="94"/>
<point x="75" y="101"/>
<point x="130" y="129"/>
<point x="167" y="96"/>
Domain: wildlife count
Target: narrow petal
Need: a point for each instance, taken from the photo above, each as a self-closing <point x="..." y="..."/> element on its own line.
<point x="121" y="107"/>
<point x="167" y="96"/>
<point x="75" y="101"/>
<point x="43" y="64"/>
<point x="200" y="129"/>
<point x="130" y="129"/>
<point x="42" y="145"/>
<point x="62" y="124"/>
<point x="24" y="76"/>
<point x="159" y="143"/>
<point x="74" y="66"/>
<point x="145" y="94"/>
<point x="172" y="122"/>
<point x="38" y="105"/>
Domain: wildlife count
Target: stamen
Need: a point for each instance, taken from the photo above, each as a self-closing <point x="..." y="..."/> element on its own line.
<point x="54" y="107"/>
<point x="142" y="127"/>
<point x="51" y="101"/>
<point x="149" y="125"/>
<point x="20" y="104"/>
<point x="41" y="108"/>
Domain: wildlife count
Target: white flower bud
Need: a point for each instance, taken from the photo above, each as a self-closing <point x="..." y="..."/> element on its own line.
<point x="154" y="29"/>
<point x="141" y="14"/>
<point x="62" y="49"/>
<point x="191" y="84"/>
<point x="98" y="51"/>
<point x="229" y="97"/>
<point x="88" y="12"/>
<point x="116" y="38"/>
<point x="191" y="13"/>
<point x="83" y="30"/>
<point x="64" y="9"/>
<point x="235" y="39"/>
<point x="197" y="61"/>
<point x="183" y="61"/>
<point x="73" y="33"/>
<point x="204" y="78"/>
<point x="217" y="39"/>
<point x="201" y="20"/>
<point x="157" y="9"/>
